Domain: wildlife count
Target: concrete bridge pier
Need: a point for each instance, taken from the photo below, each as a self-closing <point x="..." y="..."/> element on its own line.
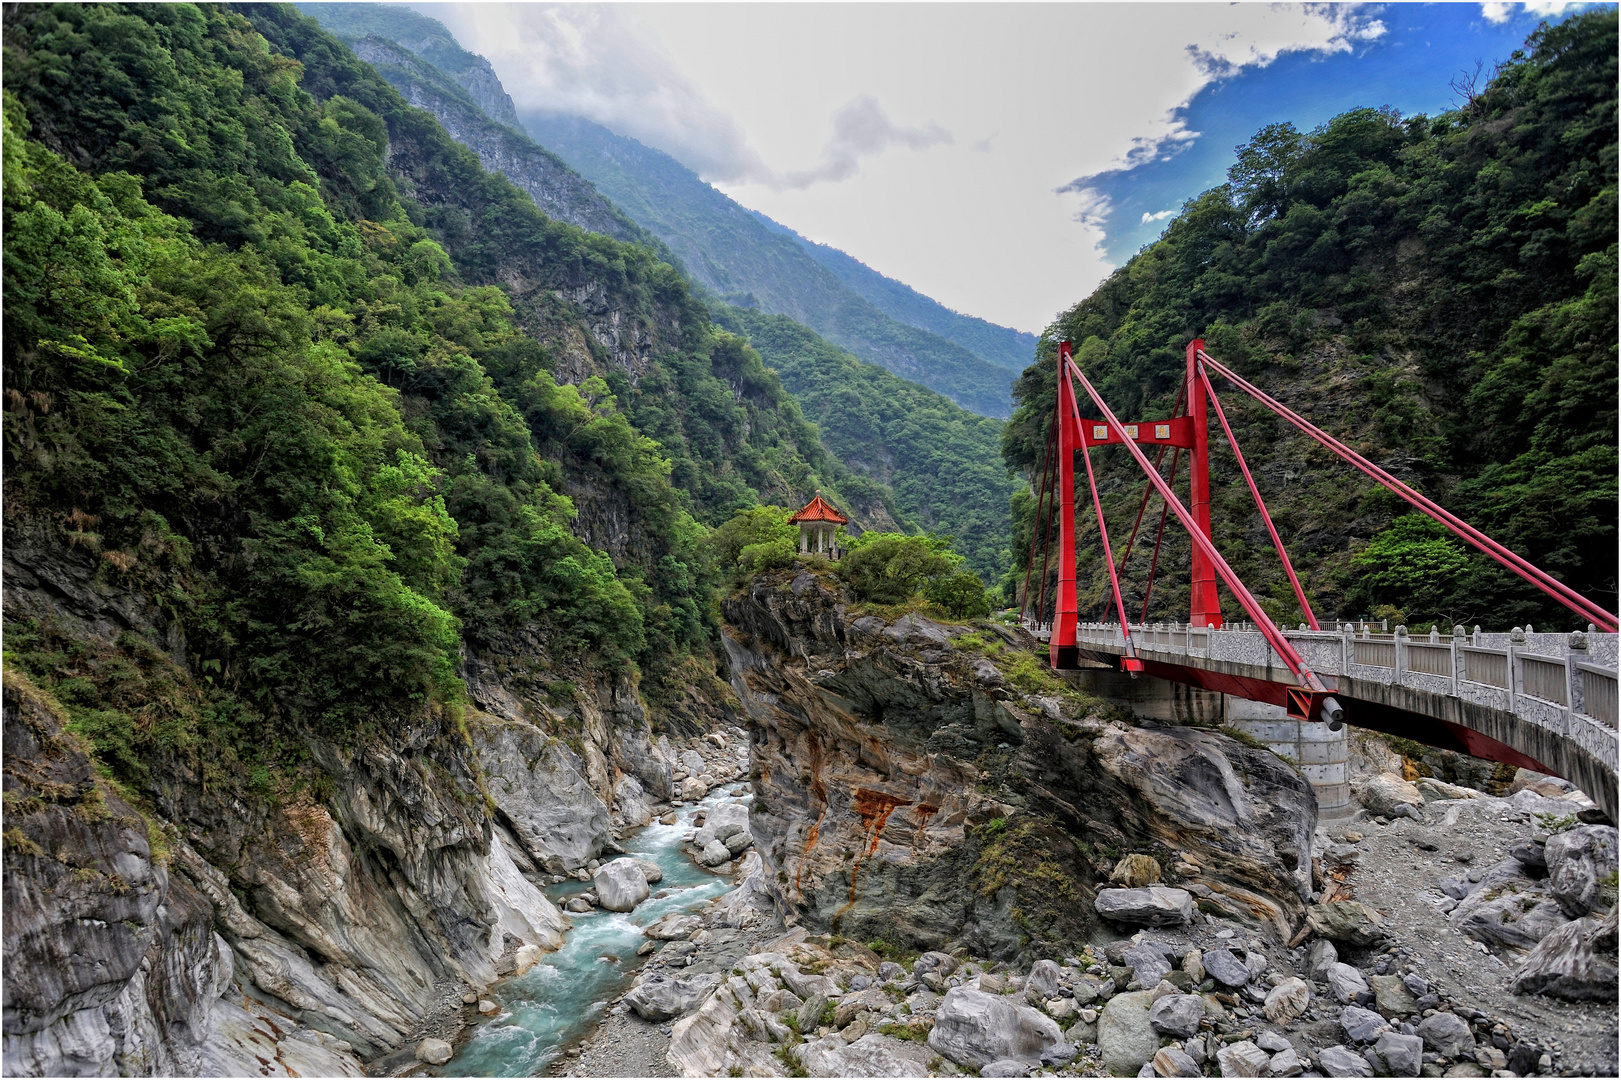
<point x="1321" y="755"/>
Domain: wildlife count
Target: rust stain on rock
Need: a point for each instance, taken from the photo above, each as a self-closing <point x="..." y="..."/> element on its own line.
<point x="874" y="808"/>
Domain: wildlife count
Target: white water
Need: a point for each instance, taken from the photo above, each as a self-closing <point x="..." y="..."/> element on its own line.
<point x="559" y="1000"/>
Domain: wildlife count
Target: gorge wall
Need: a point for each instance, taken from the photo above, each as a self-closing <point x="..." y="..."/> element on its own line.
<point x="934" y="786"/>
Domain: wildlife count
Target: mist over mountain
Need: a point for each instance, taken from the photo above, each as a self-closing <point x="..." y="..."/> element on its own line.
<point x="729" y="249"/>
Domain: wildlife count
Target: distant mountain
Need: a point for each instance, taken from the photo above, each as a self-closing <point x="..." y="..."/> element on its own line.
<point x="1001" y="345"/>
<point x="421" y="60"/>
<point x="427" y="38"/>
<point x="752" y="262"/>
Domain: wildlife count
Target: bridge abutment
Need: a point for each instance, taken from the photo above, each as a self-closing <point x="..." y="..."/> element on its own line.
<point x="1321" y="755"/>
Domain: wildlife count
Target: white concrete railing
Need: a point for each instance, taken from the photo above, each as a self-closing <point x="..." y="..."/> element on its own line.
<point x="1563" y="682"/>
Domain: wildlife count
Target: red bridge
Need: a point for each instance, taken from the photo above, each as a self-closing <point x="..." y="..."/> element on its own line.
<point x="1546" y="702"/>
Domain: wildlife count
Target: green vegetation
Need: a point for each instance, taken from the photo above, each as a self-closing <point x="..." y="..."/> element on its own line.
<point x="888" y="568"/>
<point x="940" y="460"/>
<point x="262" y="367"/>
<point x="1438" y="291"/>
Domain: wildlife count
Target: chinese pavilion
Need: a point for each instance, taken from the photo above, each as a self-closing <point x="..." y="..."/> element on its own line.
<point x="816" y="524"/>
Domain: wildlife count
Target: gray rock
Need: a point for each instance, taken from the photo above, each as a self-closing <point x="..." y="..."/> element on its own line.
<point x="975" y="1028"/>
<point x="1154" y="905"/>
<point x="737" y="843"/>
<point x="1391" y="997"/>
<point x="715" y="853"/>
<point x="631" y="802"/>
<point x="674" y="927"/>
<point x="1456" y="887"/>
<point x="1576" y="962"/>
<point x="1323" y="954"/>
<point x="870" y="1055"/>
<point x="538" y="784"/>
<point x="1362" y="1025"/>
<point x="1287" y="1001"/>
<point x="659" y="997"/>
<point x="1147" y="961"/>
<point x="1346" y="920"/>
<point x="692" y="762"/>
<point x="1272" y="1042"/>
<point x="1522" y="915"/>
<point x="1388" y="795"/>
<point x="1225" y="968"/>
<point x="1171" y="1061"/>
<point x="652" y="871"/>
<point x="1338" y="1061"/>
<point x="1401" y="1055"/>
<point x="1243" y="1058"/>
<point x="1344" y="982"/>
<point x="1447" y="1034"/>
<point x="1577" y="860"/>
<point x="1416" y="984"/>
<point x="889" y="969"/>
<point x="1177" y="1015"/>
<point x="1285" y="1062"/>
<point x="940" y="962"/>
<point x="433" y="1051"/>
<point x="1126" y="1039"/>
<point x="620" y="885"/>
<point x="1531" y="854"/>
<point x="1042" y="981"/>
<point x="1006" y="1067"/>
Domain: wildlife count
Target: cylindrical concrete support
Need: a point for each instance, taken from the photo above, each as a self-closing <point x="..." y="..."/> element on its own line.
<point x="1321" y="754"/>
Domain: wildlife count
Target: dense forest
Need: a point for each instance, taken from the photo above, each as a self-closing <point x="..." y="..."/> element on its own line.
<point x="1438" y="291"/>
<point x="940" y="462"/>
<point x="317" y="392"/>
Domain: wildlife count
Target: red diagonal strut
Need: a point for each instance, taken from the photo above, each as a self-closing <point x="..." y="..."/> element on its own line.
<point x="1252" y="608"/>
<point x="1561" y="592"/>
<point x="1130" y="664"/>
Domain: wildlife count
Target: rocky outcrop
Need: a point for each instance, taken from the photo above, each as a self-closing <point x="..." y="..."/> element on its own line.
<point x="908" y="789"/>
<point x="226" y="929"/>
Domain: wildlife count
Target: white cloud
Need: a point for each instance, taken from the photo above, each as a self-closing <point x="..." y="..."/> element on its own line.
<point x="587" y="60"/>
<point x="836" y="120"/>
<point x="860" y="129"/>
<point x="1498" y="11"/>
<point x="1161" y="216"/>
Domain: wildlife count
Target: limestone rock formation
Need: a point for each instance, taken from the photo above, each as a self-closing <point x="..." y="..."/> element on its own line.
<point x="900" y="795"/>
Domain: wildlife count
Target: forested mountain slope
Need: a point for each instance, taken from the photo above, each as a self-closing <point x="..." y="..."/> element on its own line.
<point x="940" y="461"/>
<point x="729" y="250"/>
<point x="1001" y="345"/>
<point x="334" y="469"/>
<point x="297" y="389"/>
<point x="1438" y="291"/>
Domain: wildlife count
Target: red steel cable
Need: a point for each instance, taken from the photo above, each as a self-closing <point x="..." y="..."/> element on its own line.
<point x="1108" y="557"/>
<point x="1277" y="542"/>
<point x="1561" y="592"/>
<point x="1274" y="636"/>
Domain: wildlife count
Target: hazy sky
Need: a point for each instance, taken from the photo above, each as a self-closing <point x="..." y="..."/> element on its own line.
<point x="1000" y="158"/>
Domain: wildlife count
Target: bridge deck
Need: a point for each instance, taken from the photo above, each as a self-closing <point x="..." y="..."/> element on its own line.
<point x="1545" y="701"/>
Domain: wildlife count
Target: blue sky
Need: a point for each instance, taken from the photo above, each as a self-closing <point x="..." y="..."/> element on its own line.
<point x="1409" y="67"/>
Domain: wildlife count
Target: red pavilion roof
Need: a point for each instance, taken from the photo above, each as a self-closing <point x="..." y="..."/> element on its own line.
<point x="819" y="509"/>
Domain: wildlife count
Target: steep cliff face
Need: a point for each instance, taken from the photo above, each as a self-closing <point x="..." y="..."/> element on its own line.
<point x="226" y="929"/>
<point x="930" y="785"/>
<point x="467" y="110"/>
